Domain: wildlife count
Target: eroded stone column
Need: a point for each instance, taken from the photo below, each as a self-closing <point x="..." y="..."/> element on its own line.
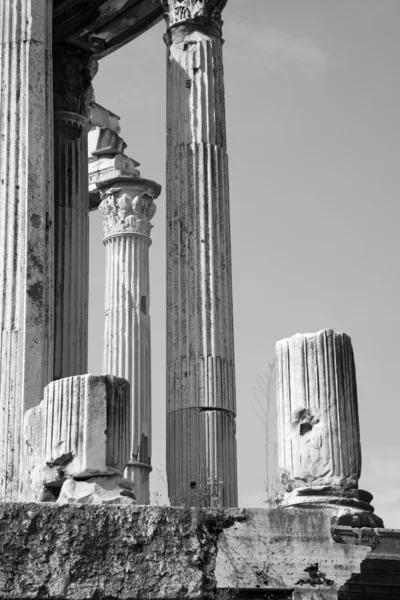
<point x="318" y="425"/>
<point x="127" y="208"/>
<point x="26" y="218"/>
<point x="76" y="443"/>
<point x="201" y="403"/>
<point x="73" y="73"/>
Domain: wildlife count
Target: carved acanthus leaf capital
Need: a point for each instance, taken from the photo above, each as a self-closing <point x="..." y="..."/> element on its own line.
<point x="202" y="12"/>
<point x="126" y="210"/>
<point x="73" y="71"/>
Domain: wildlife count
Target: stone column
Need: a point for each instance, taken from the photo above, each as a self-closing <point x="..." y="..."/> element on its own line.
<point x="73" y="73"/>
<point x="318" y="426"/>
<point x="26" y="217"/>
<point x="201" y="403"/>
<point x="127" y="208"/>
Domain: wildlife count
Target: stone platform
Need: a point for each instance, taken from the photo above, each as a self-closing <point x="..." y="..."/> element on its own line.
<point x="87" y="551"/>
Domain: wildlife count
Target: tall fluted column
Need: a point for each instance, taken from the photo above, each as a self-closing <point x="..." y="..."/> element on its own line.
<point x="318" y="426"/>
<point x="201" y="403"/>
<point x="127" y="209"/>
<point x="26" y="218"/>
<point x="73" y="73"/>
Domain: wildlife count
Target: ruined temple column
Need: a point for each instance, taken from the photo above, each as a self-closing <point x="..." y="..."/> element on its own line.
<point x="318" y="426"/>
<point x="26" y="222"/>
<point x="127" y="208"/>
<point x="73" y="73"/>
<point x="201" y="403"/>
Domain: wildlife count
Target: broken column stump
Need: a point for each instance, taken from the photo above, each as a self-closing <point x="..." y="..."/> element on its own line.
<point x="318" y="425"/>
<point x="77" y="442"/>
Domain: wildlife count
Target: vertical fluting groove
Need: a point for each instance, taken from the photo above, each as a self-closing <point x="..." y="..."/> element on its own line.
<point x="318" y="423"/>
<point x="25" y="223"/>
<point x="200" y="353"/>
<point x="72" y="239"/>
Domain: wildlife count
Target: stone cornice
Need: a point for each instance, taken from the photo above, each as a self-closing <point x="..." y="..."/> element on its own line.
<point x="193" y="12"/>
<point x="127" y="209"/>
<point x="73" y="71"/>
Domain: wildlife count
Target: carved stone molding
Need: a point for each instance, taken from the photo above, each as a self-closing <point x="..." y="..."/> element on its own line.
<point x="202" y="12"/>
<point x="73" y="71"/>
<point x="72" y="125"/>
<point x="127" y="209"/>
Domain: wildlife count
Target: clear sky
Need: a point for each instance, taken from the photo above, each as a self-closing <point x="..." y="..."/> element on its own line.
<point x="313" y="103"/>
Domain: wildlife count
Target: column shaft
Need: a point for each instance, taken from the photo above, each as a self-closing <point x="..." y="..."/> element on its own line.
<point x="73" y="73"/>
<point x="319" y="435"/>
<point x="200" y="345"/>
<point x="26" y="217"/>
<point x="72" y="244"/>
<point x="127" y="350"/>
<point x="127" y="208"/>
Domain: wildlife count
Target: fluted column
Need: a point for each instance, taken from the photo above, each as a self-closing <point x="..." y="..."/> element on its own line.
<point x="26" y="222"/>
<point x="127" y="209"/>
<point x="318" y="425"/>
<point x="73" y="72"/>
<point x="201" y="403"/>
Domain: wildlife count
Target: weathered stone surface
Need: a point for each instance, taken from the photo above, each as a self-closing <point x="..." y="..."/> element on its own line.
<point x="127" y="209"/>
<point x="278" y="549"/>
<point x="102" y="117"/>
<point x="319" y="433"/>
<point x="73" y="73"/>
<point x="200" y="344"/>
<point x="107" y="551"/>
<point x="97" y="490"/>
<point x="202" y="13"/>
<point x="202" y="442"/>
<point x="105" y="141"/>
<point x="82" y="551"/>
<point x="103" y="26"/>
<point x="80" y="430"/>
<point x="26" y="222"/>
<point x="110" y="168"/>
<point x="71" y="245"/>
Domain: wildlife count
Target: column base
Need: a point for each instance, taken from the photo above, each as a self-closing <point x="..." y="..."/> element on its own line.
<point x="352" y="506"/>
<point x="139" y="473"/>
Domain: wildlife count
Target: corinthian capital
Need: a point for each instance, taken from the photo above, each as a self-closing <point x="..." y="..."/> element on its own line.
<point x="202" y="12"/>
<point x="73" y="71"/>
<point x="127" y="209"/>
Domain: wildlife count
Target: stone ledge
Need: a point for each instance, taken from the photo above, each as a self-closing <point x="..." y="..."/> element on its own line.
<point x="131" y="552"/>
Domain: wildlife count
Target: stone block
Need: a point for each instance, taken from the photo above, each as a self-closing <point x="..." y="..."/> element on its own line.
<point x="97" y="490"/>
<point x="80" y="430"/>
<point x="50" y="552"/>
<point x="102" y="117"/>
<point x="102" y="140"/>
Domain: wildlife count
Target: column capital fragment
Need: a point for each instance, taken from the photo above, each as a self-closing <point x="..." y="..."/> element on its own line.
<point x="193" y="12"/>
<point x="73" y="71"/>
